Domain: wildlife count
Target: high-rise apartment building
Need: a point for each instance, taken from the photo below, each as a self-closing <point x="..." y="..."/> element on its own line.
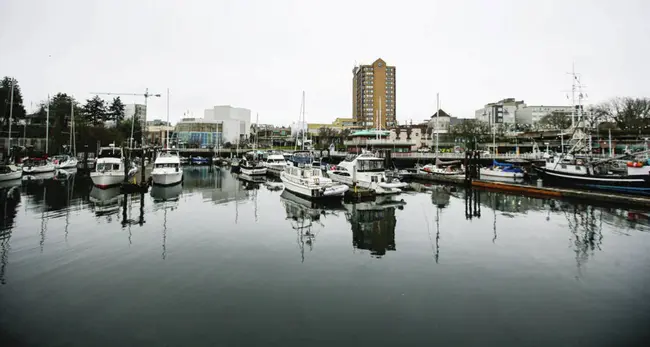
<point x="373" y="95"/>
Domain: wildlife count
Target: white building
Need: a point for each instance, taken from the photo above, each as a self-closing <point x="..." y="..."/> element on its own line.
<point x="235" y="121"/>
<point x="510" y="107"/>
<point x="533" y="114"/>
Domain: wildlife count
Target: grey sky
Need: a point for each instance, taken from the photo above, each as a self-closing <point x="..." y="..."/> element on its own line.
<point x="262" y="54"/>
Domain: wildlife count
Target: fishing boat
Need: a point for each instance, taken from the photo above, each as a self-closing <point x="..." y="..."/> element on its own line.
<point x="502" y="171"/>
<point x="37" y="165"/>
<point x="444" y="168"/>
<point x="301" y="178"/>
<point x="583" y="172"/>
<point x="252" y="167"/>
<point x="167" y="168"/>
<point x="109" y="168"/>
<point x="10" y="173"/>
<point x="65" y="161"/>
<point x="370" y="174"/>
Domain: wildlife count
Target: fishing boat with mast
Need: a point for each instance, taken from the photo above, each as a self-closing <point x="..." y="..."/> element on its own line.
<point x="253" y="166"/>
<point x="578" y="168"/>
<point x="301" y="178"/>
<point x="167" y="168"/>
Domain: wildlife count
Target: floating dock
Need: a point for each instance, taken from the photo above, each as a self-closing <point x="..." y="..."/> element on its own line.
<point x="543" y="192"/>
<point x="359" y="194"/>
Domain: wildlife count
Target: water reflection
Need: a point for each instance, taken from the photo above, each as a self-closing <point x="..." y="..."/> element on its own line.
<point x="105" y="202"/>
<point x="303" y="214"/>
<point x="165" y="199"/>
<point x="373" y="224"/>
<point x="9" y="201"/>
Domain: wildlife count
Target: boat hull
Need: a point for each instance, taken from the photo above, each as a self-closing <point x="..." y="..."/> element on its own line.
<point x="166" y="178"/>
<point x="377" y="187"/>
<point x="634" y="184"/>
<point x="38" y="169"/>
<point x="106" y="179"/>
<point x="252" y="171"/>
<point x="10" y="176"/>
<point x="313" y="191"/>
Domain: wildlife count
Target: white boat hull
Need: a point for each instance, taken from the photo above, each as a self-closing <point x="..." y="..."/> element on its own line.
<point x="500" y="174"/>
<point x="49" y="167"/>
<point x="256" y="171"/>
<point x="105" y="180"/>
<point x="377" y="187"/>
<point x="313" y="191"/>
<point x="10" y="176"/>
<point x="68" y="164"/>
<point x="166" y="177"/>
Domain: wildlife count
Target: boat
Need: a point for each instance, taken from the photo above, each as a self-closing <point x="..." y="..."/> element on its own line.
<point x="444" y="168"/>
<point x="300" y="178"/>
<point x="65" y="161"/>
<point x="109" y="168"/>
<point x="234" y="165"/>
<point x="370" y="174"/>
<point x="10" y="173"/>
<point x="252" y="167"/>
<point x="37" y="165"/>
<point x="167" y="168"/>
<point x="275" y="163"/>
<point x="184" y="160"/>
<point x="582" y="172"/>
<point x="198" y="160"/>
<point x="502" y="171"/>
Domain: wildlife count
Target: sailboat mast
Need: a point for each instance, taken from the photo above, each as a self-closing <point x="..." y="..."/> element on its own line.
<point x="47" y="126"/>
<point x="302" y="125"/>
<point x="71" y="117"/>
<point x="437" y="119"/>
<point x="11" y="111"/>
<point x="167" y="133"/>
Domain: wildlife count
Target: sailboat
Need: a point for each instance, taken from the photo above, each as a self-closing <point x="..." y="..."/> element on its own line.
<point x="10" y="172"/>
<point x="38" y="165"/>
<point x="578" y="169"/>
<point x="253" y="167"/>
<point x="66" y="161"/>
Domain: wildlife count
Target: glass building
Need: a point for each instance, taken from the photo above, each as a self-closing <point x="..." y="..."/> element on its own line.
<point x="191" y="132"/>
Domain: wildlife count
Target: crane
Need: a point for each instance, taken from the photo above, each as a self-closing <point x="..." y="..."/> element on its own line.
<point x="146" y="96"/>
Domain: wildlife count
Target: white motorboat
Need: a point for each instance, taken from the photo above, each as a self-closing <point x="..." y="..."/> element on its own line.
<point x="65" y="162"/>
<point x="502" y="172"/>
<point x="370" y="174"/>
<point x="37" y="165"/>
<point x="300" y="178"/>
<point x="109" y="168"/>
<point x="10" y="173"/>
<point x="252" y="168"/>
<point x="167" y="168"/>
<point x="275" y="163"/>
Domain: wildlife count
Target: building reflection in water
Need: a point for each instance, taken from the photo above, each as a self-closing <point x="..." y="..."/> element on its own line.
<point x="373" y="224"/>
<point x="303" y="214"/>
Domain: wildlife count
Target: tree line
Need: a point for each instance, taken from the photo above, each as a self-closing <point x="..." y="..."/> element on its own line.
<point x="91" y="118"/>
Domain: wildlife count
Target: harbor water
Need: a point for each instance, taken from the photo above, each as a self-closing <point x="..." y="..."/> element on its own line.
<point x="220" y="261"/>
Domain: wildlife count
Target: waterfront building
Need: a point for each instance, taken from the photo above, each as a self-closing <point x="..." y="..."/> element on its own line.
<point x="198" y="133"/>
<point x="235" y="122"/>
<point x="138" y="110"/>
<point x="517" y="112"/>
<point x="373" y="89"/>
<point x="339" y="124"/>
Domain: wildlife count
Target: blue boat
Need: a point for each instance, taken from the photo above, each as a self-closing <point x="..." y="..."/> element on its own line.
<point x="199" y="160"/>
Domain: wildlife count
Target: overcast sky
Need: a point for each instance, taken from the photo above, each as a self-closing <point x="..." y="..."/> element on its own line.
<point x="261" y="54"/>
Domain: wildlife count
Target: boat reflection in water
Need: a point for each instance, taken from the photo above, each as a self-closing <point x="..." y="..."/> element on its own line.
<point x="9" y="201"/>
<point x="105" y="201"/>
<point x="166" y="193"/>
<point x="373" y="224"/>
<point x="303" y="214"/>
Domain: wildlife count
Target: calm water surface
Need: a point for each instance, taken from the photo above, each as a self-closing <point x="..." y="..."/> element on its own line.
<point x="222" y="262"/>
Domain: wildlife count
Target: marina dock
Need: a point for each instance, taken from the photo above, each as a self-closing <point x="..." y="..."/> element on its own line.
<point x="542" y="192"/>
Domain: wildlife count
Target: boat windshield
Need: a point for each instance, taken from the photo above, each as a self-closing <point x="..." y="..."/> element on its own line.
<point x="166" y="165"/>
<point x="108" y="167"/>
<point x="370" y="165"/>
<point x="110" y="152"/>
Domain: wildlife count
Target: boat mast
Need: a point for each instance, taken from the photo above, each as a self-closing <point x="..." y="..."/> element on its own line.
<point x="167" y="134"/>
<point x="437" y="120"/>
<point x="11" y="112"/>
<point x="302" y="123"/>
<point x="47" y="126"/>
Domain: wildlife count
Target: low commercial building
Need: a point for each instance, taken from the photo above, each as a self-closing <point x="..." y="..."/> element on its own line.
<point x="198" y="133"/>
